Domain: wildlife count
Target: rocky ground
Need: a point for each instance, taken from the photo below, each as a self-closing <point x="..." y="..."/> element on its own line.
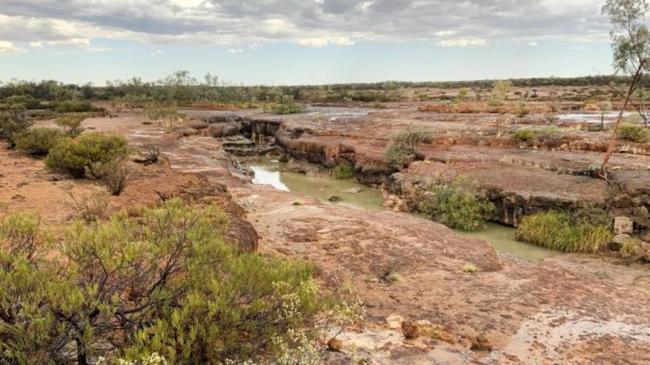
<point x="423" y="304"/>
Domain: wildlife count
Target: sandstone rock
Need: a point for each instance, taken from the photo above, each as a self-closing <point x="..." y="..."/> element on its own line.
<point x="619" y="240"/>
<point x="394" y="321"/>
<point x="623" y="225"/>
<point x="334" y="344"/>
<point x="353" y="190"/>
<point x="481" y="343"/>
<point x="410" y="330"/>
<point x="186" y="132"/>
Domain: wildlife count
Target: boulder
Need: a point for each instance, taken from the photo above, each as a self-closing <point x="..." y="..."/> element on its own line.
<point x="623" y="225"/>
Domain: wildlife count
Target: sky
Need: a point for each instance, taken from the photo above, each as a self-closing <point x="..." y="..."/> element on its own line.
<point x="279" y="42"/>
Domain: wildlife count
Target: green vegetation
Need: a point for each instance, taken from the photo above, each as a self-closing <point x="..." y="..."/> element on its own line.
<point x="168" y="117"/>
<point x="500" y="92"/>
<point x="456" y="204"/>
<point x="634" y="133"/>
<point x="404" y="146"/>
<point x="524" y="135"/>
<point x="12" y="122"/>
<point x="71" y="124"/>
<point x="630" y="248"/>
<point x="74" y="106"/>
<point x="83" y="156"/>
<point x="343" y="171"/>
<point x="562" y="231"/>
<point x="37" y="142"/>
<point x="287" y="105"/>
<point x="162" y="283"/>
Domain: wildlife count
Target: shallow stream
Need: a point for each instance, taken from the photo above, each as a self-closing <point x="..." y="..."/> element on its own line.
<point x="349" y="192"/>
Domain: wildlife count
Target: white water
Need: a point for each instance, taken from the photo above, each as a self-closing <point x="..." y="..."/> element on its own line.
<point x="263" y="176"/>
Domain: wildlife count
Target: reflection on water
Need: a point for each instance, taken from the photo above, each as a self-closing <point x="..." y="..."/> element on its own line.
<point x="590" y="117"/>
<point x="322" y="188"/>
<point x="352" y="193"/>
<point x="503" y="240"/>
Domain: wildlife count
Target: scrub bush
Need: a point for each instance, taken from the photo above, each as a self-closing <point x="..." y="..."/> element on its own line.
<point x="37" y="142"/>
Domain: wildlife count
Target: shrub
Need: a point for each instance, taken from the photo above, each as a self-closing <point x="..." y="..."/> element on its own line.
<point x="90" y="208"/>
<point x="403" y="148"/>
<point x="74" y="106"/>
<point x="344" y="171"/>
<point x="84" y="155"/>
<point x="71" y="124"/>
<point x="114" y="175"/>
<point x="288" y="106"/>
<point x="37" y="142"/>
<point x="524" y="135"/>
<point x="168" y="117"/>
<point x="630" y="248"/>
<point x="165" y="283"/>
<point x="549" y="136"/>
<point x="457" y="205"/>
<point x="634" y="133"/>
<point x="12" y="122"/>
<point x="561" y="232"/>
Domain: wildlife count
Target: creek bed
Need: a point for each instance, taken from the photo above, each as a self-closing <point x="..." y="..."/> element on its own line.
<point x="352" y="193"/>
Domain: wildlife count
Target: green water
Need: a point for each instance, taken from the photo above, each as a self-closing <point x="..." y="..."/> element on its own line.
<point x="502" y="238"/>
<point x="323" y="187"/>
<point x="319" y="187"/>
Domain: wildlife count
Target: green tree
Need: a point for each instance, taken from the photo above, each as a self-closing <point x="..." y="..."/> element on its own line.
<point x="631" y="46"/>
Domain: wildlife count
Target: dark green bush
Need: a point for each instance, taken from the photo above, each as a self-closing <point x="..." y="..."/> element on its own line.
<point x="37" y="142"/>
<point x="74" y="106"/>
<point x="342" y="172"/>
<point x="82" y="156"/>
<point x="634" y="133"/>
<point x="457" y="205"/>
<point x="562" y="232"/>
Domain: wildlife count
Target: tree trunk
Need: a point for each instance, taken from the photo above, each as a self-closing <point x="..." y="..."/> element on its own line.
<point x="612" y="141"/>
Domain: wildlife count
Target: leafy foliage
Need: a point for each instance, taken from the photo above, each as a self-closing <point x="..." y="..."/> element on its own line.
<point x="83" y="156"/>
<point x="404" y="146"/>
<point x="287" y="105"/>
<point x="634" y="133"/>
<point x="37" y="142"/>
<point x="167" y="116"/>
<point x="456" y="204"/>
<point x="12" y="122"/>
<point x="71" y="124"/>
<point x="163" y="283"/>
<point x="561" y="231"/>
<point x="524" y="135"/>
<point x="343" y="171"/>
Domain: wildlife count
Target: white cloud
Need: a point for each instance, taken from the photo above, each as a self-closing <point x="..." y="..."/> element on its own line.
<point x="235" y="50"/>
<point x="463" y="43"/>
<point x="533" y="44"/>
<point x="314" y="23"/>
<point x="10" y="48"/>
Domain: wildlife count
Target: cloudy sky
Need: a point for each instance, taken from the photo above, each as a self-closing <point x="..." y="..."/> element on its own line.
<point x="302" y="41"/>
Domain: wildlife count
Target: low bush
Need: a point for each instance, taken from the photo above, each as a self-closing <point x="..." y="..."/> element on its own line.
<point x="74" y="106"/>
<point x="82" y="156"/>
<point x="549" y="136"/>
<point x="13" y="122"/>
<point x="456" y="204"/>
<point x="114" y="174"/>
<point x="561" y="231"/>
<point x="403" y="148"/>
<point x="162" y="283"/>
<point x="71" y="124"/>
<point x="524" y="135"/>
<point x="634" y="133"/>
<point x="37" y="142"/>
<point x="168" y="116"/>
<point x="287" y="106"/>
<point x="342" y="172"/>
